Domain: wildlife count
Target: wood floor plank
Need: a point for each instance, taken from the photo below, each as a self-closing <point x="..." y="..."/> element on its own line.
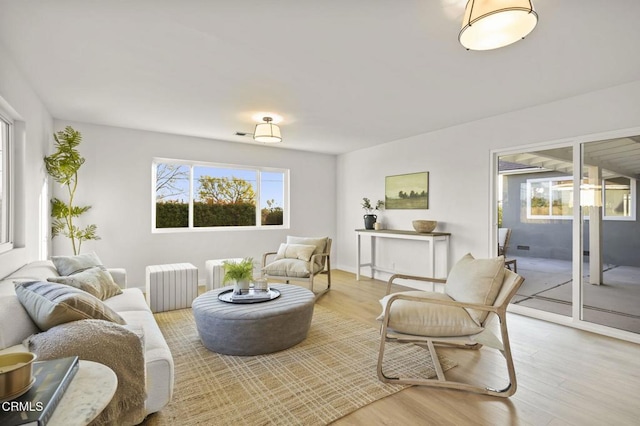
<point x="565" y="376"/>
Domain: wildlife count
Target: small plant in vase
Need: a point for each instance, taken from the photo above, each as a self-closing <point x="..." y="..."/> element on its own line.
<point x="239" y="273"/>
<point x="370" y="218"/>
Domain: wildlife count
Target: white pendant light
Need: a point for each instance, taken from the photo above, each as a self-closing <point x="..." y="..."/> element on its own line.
<point x="490" y="24"/>
<point x="267" y="132"/>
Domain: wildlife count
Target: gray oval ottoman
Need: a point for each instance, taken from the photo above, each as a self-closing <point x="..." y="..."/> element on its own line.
<point x="256" y="328"/>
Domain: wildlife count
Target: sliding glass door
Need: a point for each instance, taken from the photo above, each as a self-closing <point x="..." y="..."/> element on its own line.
<point x="568" y="213"/>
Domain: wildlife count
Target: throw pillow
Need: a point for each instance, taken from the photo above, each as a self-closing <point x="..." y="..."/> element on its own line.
<point x="68" y="265"/>
<point x="319" y="243"/>
<point x="295" y="251"/>
<point x="49" y="304"/>
<point x="94" y="281"/>
<point x="476" y="281"/>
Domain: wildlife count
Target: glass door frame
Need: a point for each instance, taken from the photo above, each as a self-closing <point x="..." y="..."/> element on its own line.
<point x="576" y="144"/>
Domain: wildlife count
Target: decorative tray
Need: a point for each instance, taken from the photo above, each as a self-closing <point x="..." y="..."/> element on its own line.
<point x="252" y="296"/>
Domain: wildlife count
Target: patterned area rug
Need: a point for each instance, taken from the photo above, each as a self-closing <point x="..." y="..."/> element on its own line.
<point x="329" y="375"/>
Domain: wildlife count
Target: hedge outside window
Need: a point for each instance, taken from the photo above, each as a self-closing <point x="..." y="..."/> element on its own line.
<point x="204" y="195"/>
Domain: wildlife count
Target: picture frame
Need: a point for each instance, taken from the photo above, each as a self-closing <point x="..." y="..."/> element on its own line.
<point x="408" y="191"/>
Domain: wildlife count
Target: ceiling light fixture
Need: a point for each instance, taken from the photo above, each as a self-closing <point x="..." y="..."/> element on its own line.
<point x="267" y="132"/>
<point x="490" y="24"/>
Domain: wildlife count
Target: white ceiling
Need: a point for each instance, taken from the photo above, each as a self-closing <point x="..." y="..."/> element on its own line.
<point x="343" y="74"/>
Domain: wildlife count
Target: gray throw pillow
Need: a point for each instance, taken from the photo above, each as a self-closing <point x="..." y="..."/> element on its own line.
<point x="50" y="304"/>
<point x="94" y="281"/>
<point x="68" y="265"/>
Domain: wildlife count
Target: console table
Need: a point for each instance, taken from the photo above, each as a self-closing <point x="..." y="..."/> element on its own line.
<point x="433" y="238"/>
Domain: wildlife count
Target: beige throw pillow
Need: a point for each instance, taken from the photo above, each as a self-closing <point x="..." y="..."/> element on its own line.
<point x="476" y="281"/>
<point x="50" y="304"/>
<point x="295" y="251"/>
<point x="319" y="243"/>
<point x="94" y="281"/>
<point x="68" y="265"/>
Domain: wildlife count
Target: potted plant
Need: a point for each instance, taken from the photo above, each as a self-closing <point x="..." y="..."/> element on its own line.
<point x="369" y="218"/>
<point x="63" y="166"/>
<point x="239" y="273"/>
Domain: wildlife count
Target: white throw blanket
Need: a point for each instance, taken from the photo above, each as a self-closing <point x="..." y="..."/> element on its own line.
<point x="107" y="343"/>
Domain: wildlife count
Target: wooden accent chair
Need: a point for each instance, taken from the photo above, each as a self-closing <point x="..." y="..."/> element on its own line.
<point x="476" y="291"/>
<point x="300" y="259"/>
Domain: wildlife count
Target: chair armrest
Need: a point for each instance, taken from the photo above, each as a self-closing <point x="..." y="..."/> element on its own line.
<point x="119" y="275"/>
<point x="412" y="277"/>
<point x="264" y="257"/>
<point x="327" y="266"/>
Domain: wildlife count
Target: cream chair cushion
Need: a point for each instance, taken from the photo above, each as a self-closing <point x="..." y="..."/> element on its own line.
<point x="319" y="243"/>
<point x="295" y="251"/>
<point x="293" y="268"/>
<point x="428" y="319"/>
<point x="476" y="281"/>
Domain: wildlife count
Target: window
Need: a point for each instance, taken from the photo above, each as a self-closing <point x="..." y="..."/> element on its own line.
<point x="191" y="195"/>
<point x="552" y="198"/>
<point x="6" y="242"/>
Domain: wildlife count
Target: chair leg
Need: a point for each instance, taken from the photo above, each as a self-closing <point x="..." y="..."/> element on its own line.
<point x="440" y="381"/>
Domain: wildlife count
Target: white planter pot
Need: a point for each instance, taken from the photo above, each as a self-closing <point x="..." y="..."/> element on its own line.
<point x="240" y="286"/>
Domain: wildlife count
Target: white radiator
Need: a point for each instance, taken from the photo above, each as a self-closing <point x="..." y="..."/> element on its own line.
<point x="215" y="272"/>
<point x="170" y="287"/>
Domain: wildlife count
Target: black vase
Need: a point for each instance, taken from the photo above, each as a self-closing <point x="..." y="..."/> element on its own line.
<point x="369" y="221"/>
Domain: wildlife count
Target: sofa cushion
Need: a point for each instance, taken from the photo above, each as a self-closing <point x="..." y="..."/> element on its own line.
<point x="476" y="281"/>
<point x="15" y="322"/>
<point x="68" y="265"/>
<point x="131" y="299"/>
<point x="95" y="281"/>
<point x="428" y="319"/>
<point x="49" y="304"/>
<point x="295" y="251"/>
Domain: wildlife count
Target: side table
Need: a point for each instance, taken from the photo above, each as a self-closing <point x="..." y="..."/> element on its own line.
<point x="89" y="392"/>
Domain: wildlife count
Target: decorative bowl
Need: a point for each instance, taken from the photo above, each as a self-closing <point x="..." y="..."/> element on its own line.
<point x="424" y="226"/>
<point x="16" y="376"/>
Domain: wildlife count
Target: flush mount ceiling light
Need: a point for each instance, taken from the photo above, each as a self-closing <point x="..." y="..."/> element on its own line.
<point x="490" y="24"/>
<point x="267" y="132"/>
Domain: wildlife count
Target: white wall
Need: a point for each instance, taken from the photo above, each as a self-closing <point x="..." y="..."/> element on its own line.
<point x="33" y="135"/>
<point x="458" y="159"/>
<point x="116" y="182"/>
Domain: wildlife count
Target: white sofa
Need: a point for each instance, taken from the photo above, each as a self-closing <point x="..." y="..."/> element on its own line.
<point x="16" y="325"/>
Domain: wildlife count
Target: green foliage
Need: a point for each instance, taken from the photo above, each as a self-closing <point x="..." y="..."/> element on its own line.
<point x="366" y="205"/>
<point x="238" y="271"/>
<point x="176" y="215"/>
<point x="63" y="166"/>
<point x="238" y="214"/>
<point x="272" y="214"/>
<point x="223" y="190"/>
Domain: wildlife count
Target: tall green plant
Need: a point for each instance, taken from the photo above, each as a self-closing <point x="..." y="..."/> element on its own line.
<point x="63" y="166"/>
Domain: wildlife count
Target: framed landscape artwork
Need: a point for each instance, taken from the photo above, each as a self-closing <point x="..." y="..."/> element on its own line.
<point x="410" y="191"/>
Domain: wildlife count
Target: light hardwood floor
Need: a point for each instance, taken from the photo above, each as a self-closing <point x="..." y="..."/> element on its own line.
<point x="565" y="376"/>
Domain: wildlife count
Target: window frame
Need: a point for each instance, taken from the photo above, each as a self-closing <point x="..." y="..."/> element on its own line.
<point x="7" y="170"/>
<point x="550" y="180"/>
<point x="192" y="165"/>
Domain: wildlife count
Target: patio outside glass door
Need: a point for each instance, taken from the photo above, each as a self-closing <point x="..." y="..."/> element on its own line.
<point x="574" y="233"/>
<point x="535" y="202"/>
<point x="610" y="290"/>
